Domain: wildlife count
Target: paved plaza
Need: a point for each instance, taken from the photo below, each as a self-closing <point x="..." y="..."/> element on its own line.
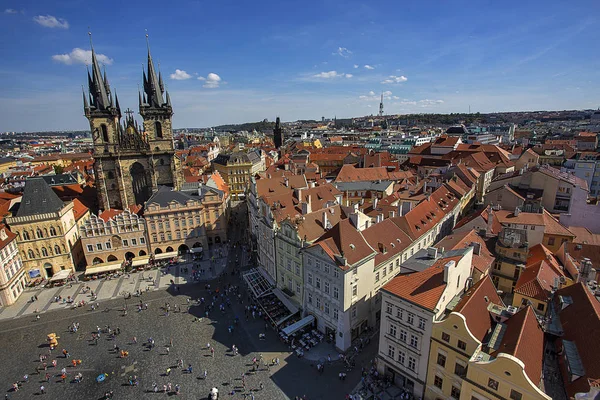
<point x="23" y="340"/>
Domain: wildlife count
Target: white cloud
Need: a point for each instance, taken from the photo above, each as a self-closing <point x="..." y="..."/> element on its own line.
<point x="349" y="75"/>
<point x="328" y="75"/>
<point x="372" y="96"/>
<point x="10" y="11"/>
<point x="371" y="93"/>
<point x="369" y="67"/>
<point x="212" y="80"/>
<point x="429" y="102"/>
<point x="343" y="52"/>
<point x="80" y="56"/>
<point x="355" y="66"/>
<point x="395" y="79"/>
<point x="50" y="21"/>
<point x="180" y="75"/>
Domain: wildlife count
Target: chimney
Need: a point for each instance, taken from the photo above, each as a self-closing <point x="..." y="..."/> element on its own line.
<point x="477" y="249"/>
<point x="325" y="221"/>
<point x="425" y="187"/>
<point x="392" y="214"/>
<point x="517" y="211"/>
<point x="355" y="207"/>
<point x="379" y="218"/>
<point x="432" y="252"/>
<point x="375" y="201"/>
<point x="299" y="194"/>
<point x="307" y="206"/>
<point x="354" y="219"/>
<point x="449" y="265"/>
<point x="286" y="182"/>
<point x="490" y="222"/>
<point x="404" y="208"/>
<point x="312" y="184"/>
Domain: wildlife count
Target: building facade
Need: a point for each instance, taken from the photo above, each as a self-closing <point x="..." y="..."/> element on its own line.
<point x="175" y="222"/>
<point x="46" y="230"/>
<point x="410" y="305"/>
<point x="12" y="275"/>
<point x="114" y="236"/>
<point x="131" y="161"/>
<point x="237" y="169"/>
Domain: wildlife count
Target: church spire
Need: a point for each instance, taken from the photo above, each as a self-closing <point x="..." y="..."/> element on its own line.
<point x="86" y="106"/>
<point x="152" y="85"/>
<point x="97" y="85"/>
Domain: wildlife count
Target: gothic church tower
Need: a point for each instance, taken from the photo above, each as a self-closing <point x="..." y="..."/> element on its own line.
<point x="131" y="161"/>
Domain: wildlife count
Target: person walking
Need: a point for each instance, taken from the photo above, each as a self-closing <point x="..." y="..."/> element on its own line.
<point x="42" y="389"/>
<point x="205" y="374"/>
<point x="168" y="372"/>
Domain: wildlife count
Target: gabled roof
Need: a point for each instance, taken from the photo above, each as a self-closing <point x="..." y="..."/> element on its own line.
<point x="344" y="240"/>
<point x="423" y="288"/>
<point x="461" y="240"/>
<point x="348" y="173"/>
<point x="552" y="226"/>
<point x="524" y="339"/>
<point x="311" y="226"/>
<point x="165" y="195"/>
<point x="387" y="239"/>
<point x="474" y="307"/>
<point x="79" y="209"/>
<point x="38" y="198"/>
<point x="580" y="321"/>
<point x="537" y="281"/>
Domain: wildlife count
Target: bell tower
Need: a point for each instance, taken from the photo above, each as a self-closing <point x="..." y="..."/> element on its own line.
<point x="156" y="110"/>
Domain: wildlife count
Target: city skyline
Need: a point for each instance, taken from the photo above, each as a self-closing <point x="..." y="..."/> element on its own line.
<point x="232" y="63"/>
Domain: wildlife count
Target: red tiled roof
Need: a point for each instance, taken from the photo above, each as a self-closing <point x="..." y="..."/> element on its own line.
<point x="348" y="173"/>
<point x="387" y="239"/>
<point x="9" y="236"/>
<point x="424" y="288"/>
<point x="462" y="240"/>
<point x="473" y="306"/>
<point x="580" y="323"/>
<point x="536" y="281"/>
<point x="79" y="209"/>
<point x="345" y="240"/>
<point x="524" y="339"/>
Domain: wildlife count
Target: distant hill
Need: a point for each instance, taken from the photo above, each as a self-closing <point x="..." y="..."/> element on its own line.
<point x="262" y="126"/>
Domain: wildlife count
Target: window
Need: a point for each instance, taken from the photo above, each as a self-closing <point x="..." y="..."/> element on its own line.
<point x="108" y="245"/>
<point x="326" y="287"/>
<point x="354" y="290"/>
<point x="414" y="341"/>
<point x="377" y="277"/>
<point x="400" y="314"/>
<point x="455" y="392"/>
<point x="297" y="287"/>
<point x="401" y="357"/>
<point x="441" y="360"/>
<point x="125" y="243"/>
<point x="421" y="323"/>
<point x="297" y="268"/>
<point x="39" y="234"/>
<point x="411" y="318"/>
<point x="492" y="384"/>
<point x="550" y="241"/>
<point x="462" y="345"/>
<point x="318" y="302"/>
<point x="134" y="242"/>
<point x="98" y="246"/>
<point x="354" y="312"/>
<point x="438" y="382"/>
<point x="310" y="298"/>
<point x="25" y="235"/>
<point x="445" y="337"/>
<point x="540" y="306"/>
<point x="388" y="308"/>
<point x="397" y="262"/>
<point x="336" y="274"/>
<point x="336" y="292"/>
<point x="326" y="268"/>
<point x="318" y="282"/>
<point x="403" y="335"/>
<point x="391" y="352"/>
<point x="514" y="395"/>
<point x="335" y="313"/>
<point x="393" y="330"/>
<point x="90" y="248"/>
<point x="31" y="255"/>
<point x="327" y="308"/>
<point x="460" y="370"/>
<point x="158" y="129"/>
<point x="44" y="252"/>
<point x="310" y="279"/>
<point x="52" y="231"/>
<point x="56" y="250"/>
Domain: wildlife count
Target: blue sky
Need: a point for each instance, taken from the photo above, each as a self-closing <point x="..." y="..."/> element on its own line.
<point x="238" y="61"/>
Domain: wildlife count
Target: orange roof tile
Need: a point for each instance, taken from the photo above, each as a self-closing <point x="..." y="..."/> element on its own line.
<point x="536" y="281"/>
<point x="344" y="240"/>
<point x="423" y="288"/>
<point x="473" y="306"/>
<point x="79" y="209"/>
